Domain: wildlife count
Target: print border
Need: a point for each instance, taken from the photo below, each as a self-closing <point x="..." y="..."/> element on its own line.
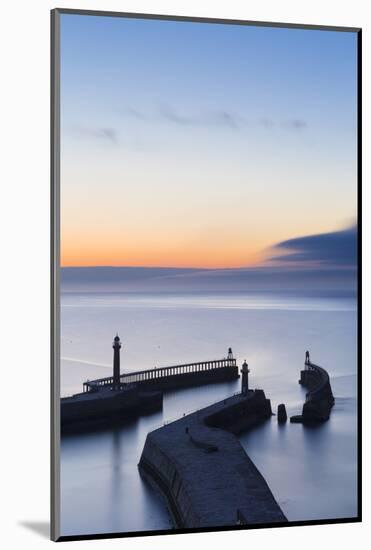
<point x="55" y="271"/>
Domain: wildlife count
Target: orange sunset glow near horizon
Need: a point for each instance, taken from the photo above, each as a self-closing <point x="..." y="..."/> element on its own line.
<point x="206" y="254"/>
<point x="196" y="258"/>
<point x="207" y="155"/>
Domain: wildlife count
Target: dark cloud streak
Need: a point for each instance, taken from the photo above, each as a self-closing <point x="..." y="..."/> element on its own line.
<point x="338" y="248"/>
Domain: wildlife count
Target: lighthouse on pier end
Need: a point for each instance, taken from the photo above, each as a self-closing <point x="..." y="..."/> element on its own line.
<point x="245" y="378"/>
<point x="116" y="362"/>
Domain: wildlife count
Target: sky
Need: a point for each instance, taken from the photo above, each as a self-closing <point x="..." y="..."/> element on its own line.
<point x="195" y="145"/>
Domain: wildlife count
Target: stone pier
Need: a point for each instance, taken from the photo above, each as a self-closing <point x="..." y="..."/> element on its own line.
<point x="319" y="400"/>
<point x="202" y="471"/>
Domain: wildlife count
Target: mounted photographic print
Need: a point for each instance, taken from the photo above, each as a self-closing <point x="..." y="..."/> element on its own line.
<point x="205" y="278"/>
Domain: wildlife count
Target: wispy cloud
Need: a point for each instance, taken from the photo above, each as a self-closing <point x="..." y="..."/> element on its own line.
<point x="296" y="124"/>
<point x="266" y="122"/>
<point x="222" y="118"/>
<point x="135" y="113"/>
<point x="213" y="118"/>
<point x="104" y="134"/>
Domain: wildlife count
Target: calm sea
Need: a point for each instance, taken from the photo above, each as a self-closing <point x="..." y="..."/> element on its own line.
<point x="311" y="471"/>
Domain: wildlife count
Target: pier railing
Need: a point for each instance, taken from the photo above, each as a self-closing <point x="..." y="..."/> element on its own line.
<point x="161" y="372"/>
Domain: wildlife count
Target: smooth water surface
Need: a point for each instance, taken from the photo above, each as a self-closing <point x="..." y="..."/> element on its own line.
<point x="311" y="471"/>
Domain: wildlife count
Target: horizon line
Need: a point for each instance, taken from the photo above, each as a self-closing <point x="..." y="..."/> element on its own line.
<point x="151" y="267"/>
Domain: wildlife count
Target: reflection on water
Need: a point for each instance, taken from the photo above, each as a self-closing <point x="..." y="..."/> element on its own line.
<point x="312" y="472"/>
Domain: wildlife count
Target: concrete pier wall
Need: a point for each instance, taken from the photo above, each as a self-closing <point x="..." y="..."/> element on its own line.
<point x="202" y="471"/>
<point x="191" y="379"/>
<point x="106" y="406"/>
<point x="319" y="399"/>
<point x="241" y="415"/>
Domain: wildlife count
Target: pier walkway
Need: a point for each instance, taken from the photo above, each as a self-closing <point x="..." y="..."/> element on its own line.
<point x="202" y="470"/>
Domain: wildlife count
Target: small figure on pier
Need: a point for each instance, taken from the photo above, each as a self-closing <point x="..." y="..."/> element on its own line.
<point x="230" y="353"/>
<point x="245" y="378"/>
<point x="116" y="362"/>
<point x="307" y="358"/>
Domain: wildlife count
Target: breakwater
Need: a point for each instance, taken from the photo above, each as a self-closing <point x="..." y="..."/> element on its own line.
<point x="172" y="377"/>
<point x="200" y="468"/>
<point x="191" y="379"/>
<point x="113" y="399"/>
<point x="106" y="407"/>
<point x="319" y="400"/>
